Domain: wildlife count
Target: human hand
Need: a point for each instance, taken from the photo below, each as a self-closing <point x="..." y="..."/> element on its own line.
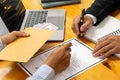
<point x="6" y="39"/>
<point x="59" y="58"/>
<point x="107" y="46"/>
<point x="86" y="24"/>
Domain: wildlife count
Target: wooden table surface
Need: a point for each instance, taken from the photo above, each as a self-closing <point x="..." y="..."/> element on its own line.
<point x="109" y="70"/>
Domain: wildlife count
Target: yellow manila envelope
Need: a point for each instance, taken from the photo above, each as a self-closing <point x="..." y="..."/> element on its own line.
<point x="23" y="48"/>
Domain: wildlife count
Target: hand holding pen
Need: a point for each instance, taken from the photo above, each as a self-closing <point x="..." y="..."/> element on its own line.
<point x="81" y="24"/>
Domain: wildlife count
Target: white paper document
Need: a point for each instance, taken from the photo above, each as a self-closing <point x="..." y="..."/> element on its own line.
<point x="81" y="60"/>
<point x="46" y="26"/>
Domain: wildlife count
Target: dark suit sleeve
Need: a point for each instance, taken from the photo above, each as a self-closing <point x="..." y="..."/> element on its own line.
<point x="101" y="8"/>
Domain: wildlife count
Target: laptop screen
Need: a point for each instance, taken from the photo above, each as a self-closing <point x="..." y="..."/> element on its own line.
<point x="12" y="14"/>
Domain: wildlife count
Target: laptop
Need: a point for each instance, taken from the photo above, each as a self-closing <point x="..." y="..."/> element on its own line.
<point x="56" y="17"/>
<point x="33" y="17"/>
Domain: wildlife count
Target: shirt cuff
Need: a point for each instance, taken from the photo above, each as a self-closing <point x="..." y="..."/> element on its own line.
<point x="1" y="45"/>
<point x="93" y="18"/>
<point x="46" y="72"/>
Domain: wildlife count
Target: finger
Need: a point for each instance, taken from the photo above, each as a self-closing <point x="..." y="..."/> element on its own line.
<point x="103" y="39"/>
<point x="20" y="34"/>
<point x="77" y="28"/>
<point x="67" y="46"/>
<point x="67" y="54"/>
<point x="100" y="45"/>
<point x="103" y="50"/>
<point x="82" y="33"/>
<point x="73" y="28"/>
<point x="110" y="52"/>
<point x="85" y="27"/>
<point x="69" y="49"/>
<point x="76" y="22"/>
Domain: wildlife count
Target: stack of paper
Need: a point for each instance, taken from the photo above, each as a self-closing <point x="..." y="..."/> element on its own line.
<point x="109" y="26"/>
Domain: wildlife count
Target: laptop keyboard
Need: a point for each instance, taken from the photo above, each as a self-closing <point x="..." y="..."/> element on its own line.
<point x="35" y="17"/>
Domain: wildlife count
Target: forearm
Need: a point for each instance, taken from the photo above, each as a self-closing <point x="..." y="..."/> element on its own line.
<point x="101" y="8"/>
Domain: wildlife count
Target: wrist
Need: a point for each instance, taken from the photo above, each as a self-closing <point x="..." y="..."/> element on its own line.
<point x="45" y="72"/>
<point x="93" y="18"/>
<point x="50" y="64"/>
<point x="52" y="67"/>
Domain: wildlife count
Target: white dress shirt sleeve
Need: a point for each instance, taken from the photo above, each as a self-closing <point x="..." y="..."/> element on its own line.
<point x="93" y="18"/>
<point x="1" y="45"/>
<point x="43" y="73"/>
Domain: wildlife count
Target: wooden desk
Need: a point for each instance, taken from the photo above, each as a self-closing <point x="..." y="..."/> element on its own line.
<point x="104" y="71"/>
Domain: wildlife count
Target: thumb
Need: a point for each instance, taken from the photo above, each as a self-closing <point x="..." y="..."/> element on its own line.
<point x="85" y="26"/>
<point x="20" y="34"/>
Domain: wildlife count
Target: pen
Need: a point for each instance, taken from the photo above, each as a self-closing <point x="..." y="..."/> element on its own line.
<point x="81" y="21"/>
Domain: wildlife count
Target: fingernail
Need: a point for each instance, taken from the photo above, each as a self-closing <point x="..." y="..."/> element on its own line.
<point x="94" y="55"/>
